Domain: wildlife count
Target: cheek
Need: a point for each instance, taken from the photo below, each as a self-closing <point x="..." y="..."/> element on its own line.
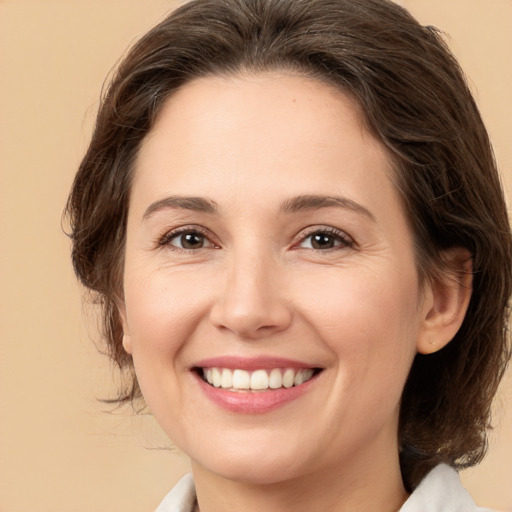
<point x="369" y="320"/>
<point x="162" y="307"/>
<point x="155" y="318"/>
<point x="162" y="310"/>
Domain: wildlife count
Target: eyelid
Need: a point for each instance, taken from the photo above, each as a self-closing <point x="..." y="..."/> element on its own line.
<point x="347" y="240"/>
<point x="164" y="240"/>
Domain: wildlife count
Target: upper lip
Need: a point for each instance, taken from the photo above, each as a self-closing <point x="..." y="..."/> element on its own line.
<point x="251" y="363"/>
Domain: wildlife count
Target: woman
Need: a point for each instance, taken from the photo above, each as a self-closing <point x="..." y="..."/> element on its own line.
<point x="291" y="214"/>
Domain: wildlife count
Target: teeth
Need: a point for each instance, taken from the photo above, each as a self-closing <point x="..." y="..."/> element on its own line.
<point x="257" y="380"/>
<point x="288" y="378"/>
<point x="216" y="377"/>
<point x="241" y="379"/>
<point x="226" y="380"/>
<point x="308" y="374"/>
<point x="275" y="379"/>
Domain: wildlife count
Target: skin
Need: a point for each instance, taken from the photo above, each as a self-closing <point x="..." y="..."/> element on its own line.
<point x="254" y="285"/>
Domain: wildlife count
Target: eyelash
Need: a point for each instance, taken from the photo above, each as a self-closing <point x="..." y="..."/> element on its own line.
<point x="191" y="230"/>
<point x="339" y="236"/>
<point x="336" y="234"/>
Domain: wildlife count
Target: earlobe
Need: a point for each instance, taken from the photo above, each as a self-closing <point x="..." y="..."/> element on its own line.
<point x="127" y="343"/>
<point x="446" y="302"/>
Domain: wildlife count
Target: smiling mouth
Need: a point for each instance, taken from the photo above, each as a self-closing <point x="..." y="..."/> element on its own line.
<point x="244" y="381"/>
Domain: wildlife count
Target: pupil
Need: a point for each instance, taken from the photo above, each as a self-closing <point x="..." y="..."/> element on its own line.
<point x="321" y="241"/>
<point x="191" y="241"/>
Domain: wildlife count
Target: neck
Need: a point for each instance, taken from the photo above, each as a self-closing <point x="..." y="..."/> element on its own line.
<point x="354" y="486"/>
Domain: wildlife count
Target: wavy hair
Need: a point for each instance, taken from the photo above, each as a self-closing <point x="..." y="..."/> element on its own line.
<point x="415" y="100"/>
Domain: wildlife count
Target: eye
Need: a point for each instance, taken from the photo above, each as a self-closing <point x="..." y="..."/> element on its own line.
<point x="325" y="239"/>
<point x="187" y="239"/>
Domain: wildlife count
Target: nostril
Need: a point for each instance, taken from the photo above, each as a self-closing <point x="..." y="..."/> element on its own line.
<point x="251" y="323"/>
<point x="251" y="304"/>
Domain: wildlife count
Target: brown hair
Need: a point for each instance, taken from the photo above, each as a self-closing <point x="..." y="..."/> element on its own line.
<point x="415" y="100"/>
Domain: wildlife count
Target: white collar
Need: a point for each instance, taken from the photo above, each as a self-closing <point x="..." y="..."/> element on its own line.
<point x="439" y="491"/>
<point x="182" y="498"/>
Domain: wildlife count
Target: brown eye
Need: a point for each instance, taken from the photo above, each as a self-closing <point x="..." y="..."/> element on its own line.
<point x="189" y="240"/>
<point x="322" y="241"/>
<point x="326" y="239"/>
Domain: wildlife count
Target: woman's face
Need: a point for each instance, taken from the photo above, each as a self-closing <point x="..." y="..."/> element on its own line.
<point x="266" y="245"/>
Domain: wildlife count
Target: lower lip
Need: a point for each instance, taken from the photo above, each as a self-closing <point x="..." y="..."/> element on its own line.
<point x="259" y="402"/>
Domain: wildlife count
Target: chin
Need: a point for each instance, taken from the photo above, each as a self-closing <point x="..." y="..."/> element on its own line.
<point x="256" y="471"/>
<point x="262" y="464"/>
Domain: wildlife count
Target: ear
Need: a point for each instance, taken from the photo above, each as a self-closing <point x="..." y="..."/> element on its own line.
<point x="127" y="343"/>
<point x="446" y="301"/>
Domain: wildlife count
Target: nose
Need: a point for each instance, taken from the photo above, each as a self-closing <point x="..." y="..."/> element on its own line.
<point x="251" y="303"/>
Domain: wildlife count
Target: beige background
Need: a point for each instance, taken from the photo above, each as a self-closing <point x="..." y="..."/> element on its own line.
<point x="58" y="450"/>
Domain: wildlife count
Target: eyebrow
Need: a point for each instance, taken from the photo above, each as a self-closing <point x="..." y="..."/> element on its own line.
<point x="316" y="202"/>
<point x="300" y="203"/>
<point x="197" y="204"/>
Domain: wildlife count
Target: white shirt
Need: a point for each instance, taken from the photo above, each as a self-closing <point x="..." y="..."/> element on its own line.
<point x="439" y="491"/>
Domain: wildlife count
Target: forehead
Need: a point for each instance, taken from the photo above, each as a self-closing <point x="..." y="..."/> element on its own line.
<point x="260" y="101"/>
<point x="274" y="124"/>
